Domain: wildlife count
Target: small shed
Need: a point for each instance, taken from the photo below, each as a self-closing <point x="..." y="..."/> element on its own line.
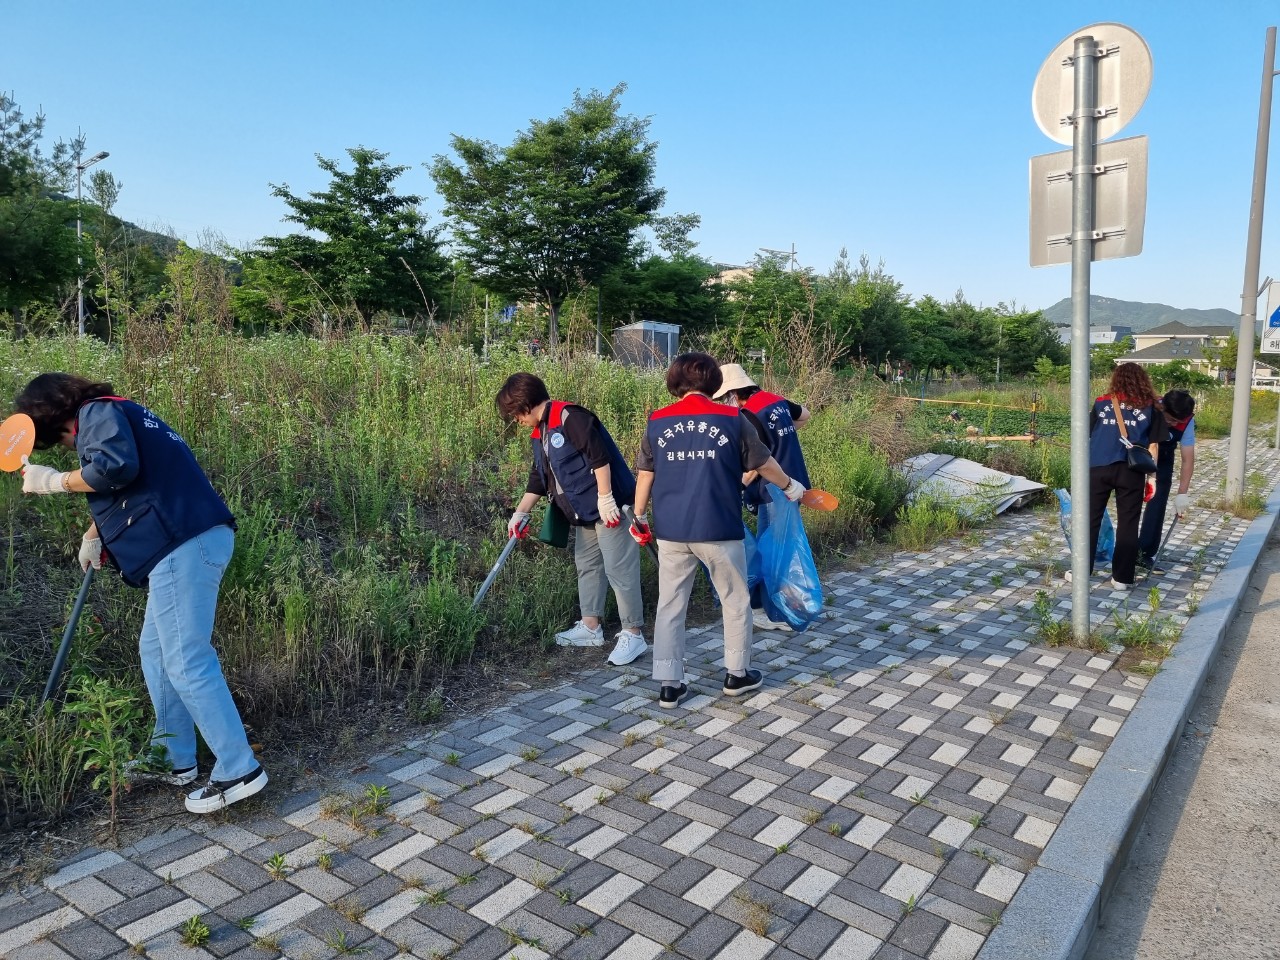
<point x="646" y="343"/>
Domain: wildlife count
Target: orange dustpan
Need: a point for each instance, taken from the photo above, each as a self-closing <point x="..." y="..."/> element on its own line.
<point x="819" y="500"/>
<point x="17" y="440"/>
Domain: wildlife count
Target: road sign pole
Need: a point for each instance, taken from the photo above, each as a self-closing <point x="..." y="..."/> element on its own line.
<point x="1249" y="299"/>
<point x="1084" y="121"/>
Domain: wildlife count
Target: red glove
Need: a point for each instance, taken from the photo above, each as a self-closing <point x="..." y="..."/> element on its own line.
<point x="1150" y="490"/>
<point x="518" y="525"/>
<point x="640" y="532"/>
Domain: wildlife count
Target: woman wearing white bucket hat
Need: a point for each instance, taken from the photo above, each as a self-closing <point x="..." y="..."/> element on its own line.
<point x="776" y="419"/>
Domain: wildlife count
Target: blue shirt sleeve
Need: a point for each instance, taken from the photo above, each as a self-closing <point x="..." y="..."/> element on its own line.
<point x="106" y="447"/>
<point x="1189" y="434"/>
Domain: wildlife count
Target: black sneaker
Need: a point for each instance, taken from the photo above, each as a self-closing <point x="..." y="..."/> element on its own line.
<point x="736" y="686"/>
<point x="218" y="794"/>
<point x="669" y="697"/>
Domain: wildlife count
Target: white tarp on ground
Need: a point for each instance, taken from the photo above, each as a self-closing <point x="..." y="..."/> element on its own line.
<point x="951" y="478"/>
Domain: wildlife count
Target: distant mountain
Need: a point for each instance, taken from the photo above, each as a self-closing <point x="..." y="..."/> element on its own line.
<point x="1103" y="311"/>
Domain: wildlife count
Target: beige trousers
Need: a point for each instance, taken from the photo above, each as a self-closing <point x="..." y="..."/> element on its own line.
<point x="726" y="560"/>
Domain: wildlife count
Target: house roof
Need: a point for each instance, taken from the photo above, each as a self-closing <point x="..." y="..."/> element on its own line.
<point x="1176" y="328"/>
<point x="1166" y="352"/>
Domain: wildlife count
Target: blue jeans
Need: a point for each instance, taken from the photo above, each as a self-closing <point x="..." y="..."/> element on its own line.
<point x="181" y="668"/>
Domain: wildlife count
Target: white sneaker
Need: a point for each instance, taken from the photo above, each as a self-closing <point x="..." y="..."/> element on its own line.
<point x="216" y="796"/>
<point x="1117" y="585"/>
<point x="630" y="646"/>
<point x="762" y="622"/>
<point x="580" y="635"/>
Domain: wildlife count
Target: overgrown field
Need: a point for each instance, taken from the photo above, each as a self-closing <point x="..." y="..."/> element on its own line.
<point x="371" y="479"/>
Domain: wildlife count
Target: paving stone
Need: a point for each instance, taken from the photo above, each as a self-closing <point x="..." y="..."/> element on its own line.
<point x="78" y="869"/>
<point x="449" y="921"/>
<point x="155" y="922"/>
<point x="708" y="938"/>
<point x="130" y="879"/>
<point x="240" y="873"/>
<point x="922" y="684"/>
<point x="43" y="950"/>
<point x="87" y="940"/>
<point x="917" y="932"/>
<point x="853" y="944"/>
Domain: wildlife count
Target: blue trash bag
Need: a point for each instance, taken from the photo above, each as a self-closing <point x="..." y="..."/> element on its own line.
<point x="1106" y="535"/>
<point x="792" y="592"/>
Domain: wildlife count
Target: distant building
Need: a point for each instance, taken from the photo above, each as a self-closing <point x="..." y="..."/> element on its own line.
<point x="1177" y="341"/>
<point x="1113" y="333"/>
<point x="647" y="343"/>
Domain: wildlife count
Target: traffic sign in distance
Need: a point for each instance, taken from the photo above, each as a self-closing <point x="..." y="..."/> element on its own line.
<point x="1123" y="80"/>
<point x="1271" y="328"/>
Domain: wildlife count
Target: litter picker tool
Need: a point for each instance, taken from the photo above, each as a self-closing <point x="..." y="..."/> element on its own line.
<point x="17" y="440"/>
<point x="60" y="661"/>
<point x="1159" y="550"/>
<point x="502" y="559"/>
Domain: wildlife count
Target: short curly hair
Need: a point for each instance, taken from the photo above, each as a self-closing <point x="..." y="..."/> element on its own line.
<point x="1130" y="384"/>
<point x="52" y="399"/>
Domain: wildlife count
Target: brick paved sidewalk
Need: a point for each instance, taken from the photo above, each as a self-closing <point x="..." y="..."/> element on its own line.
<point x="883" y="796"/>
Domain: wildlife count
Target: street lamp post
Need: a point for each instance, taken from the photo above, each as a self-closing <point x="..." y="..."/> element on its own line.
<point x="80" y="169"/>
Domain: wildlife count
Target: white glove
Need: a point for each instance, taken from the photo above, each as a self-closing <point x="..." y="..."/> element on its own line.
<point x="610" y="515"/>
<point x="517" y="521"/>
<point x="1180" y="504"/>
<point x="41" y="479"/>
<point x="795" y="490"/>
<point x="90" y="552"/>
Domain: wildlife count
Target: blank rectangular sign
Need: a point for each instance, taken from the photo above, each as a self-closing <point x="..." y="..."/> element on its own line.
<point x="1120" y="202"/>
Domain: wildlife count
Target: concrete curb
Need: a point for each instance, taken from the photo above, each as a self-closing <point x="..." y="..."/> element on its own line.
<point x="1054" y="913"/>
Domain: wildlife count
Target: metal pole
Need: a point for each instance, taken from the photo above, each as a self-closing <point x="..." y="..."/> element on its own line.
<point x="1249" y="298"/>
<point x="486" y="326"/>
<point x="1085" y="67"/>
<point x="597" y="322"/>
<point x="79" y="258"/>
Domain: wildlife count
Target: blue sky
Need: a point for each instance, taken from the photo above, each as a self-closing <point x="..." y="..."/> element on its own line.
<point x="901" y="130"/>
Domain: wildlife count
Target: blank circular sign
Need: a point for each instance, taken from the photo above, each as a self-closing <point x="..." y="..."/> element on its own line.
<point x="1123" y="80"/>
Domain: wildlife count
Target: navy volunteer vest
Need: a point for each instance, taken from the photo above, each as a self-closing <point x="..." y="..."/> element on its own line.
<point x="1104" y="442"/>
<point x="697" y="471"/>
<point x="169" y="501"/>
<point x="570" y="467"/>
<point x="774" y="414"/>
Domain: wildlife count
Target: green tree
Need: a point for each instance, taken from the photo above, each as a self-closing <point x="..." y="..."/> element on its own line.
<point x="557" y="209"/>
<point x="882" y="333"/>
<point x="367" y="247"/>
<point x="1023" y="339"/>
<point x="932" y="337"/>
<point x="672" y="234"/>
<point x="1103" y="357"/>
<point x="37" y="243"/>
<point x="760" y="306"/>
<point x="672" y="291"/>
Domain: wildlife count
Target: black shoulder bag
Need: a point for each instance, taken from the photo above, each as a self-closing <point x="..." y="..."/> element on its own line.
<point x="1139" y="458"/>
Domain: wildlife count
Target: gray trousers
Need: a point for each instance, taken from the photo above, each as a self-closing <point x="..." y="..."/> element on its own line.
<point x="726" y="561"/>
<point x="607" y="557"/>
